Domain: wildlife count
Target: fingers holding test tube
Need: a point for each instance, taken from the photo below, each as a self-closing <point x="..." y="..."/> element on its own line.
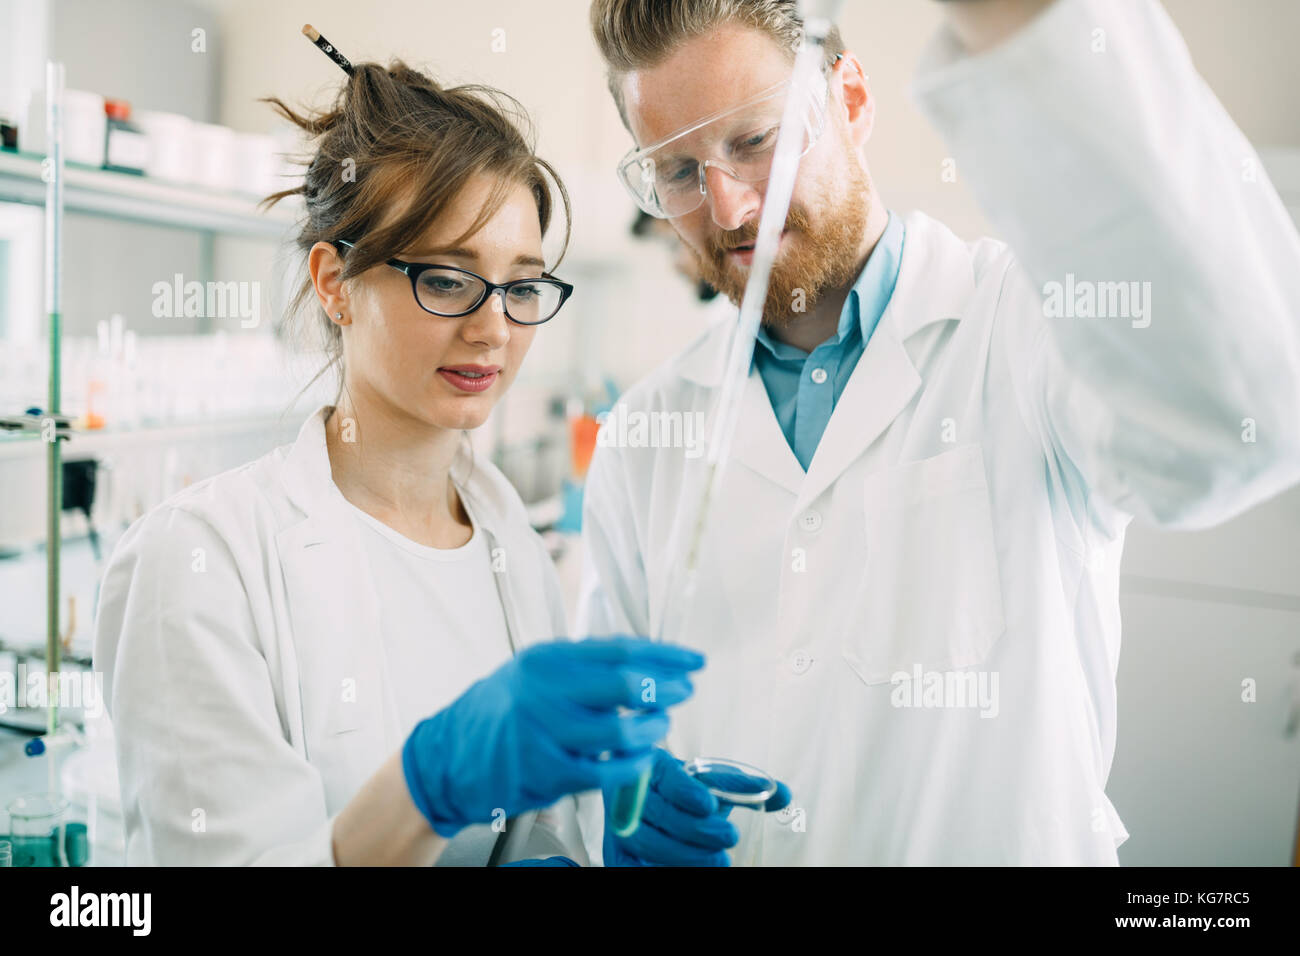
<point x="560" y="718"/>
<point x="684" y="819"/>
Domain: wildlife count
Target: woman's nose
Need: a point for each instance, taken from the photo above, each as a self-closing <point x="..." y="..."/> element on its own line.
<point x="488" y="325"/>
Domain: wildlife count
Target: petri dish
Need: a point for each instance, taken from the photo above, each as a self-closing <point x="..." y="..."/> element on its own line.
<point x="733" y="782"/>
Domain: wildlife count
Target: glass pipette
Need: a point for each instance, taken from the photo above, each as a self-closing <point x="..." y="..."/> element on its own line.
<point x="818" y="17"/>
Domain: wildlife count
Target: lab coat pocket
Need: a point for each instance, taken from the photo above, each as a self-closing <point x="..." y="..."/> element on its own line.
<point x="930" y="595"/>
<point x="343" y="715"/>
<point x="340" y="724"/>
<point x="344" y="736"/>
<point x="333" y="618"/>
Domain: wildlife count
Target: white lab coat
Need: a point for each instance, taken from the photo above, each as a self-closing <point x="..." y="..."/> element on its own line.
<point x="966" y="508"/>
<point x="245" y="674"/>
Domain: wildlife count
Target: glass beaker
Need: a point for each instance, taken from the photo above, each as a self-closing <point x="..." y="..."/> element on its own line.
<point x="36" y="823"/>
<point x="740" y="785"/>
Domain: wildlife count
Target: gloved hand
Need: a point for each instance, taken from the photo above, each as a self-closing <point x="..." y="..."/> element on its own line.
<point x="682" y="823"/>
<point x="548" y="861"/>
<point x="534" y="730"/>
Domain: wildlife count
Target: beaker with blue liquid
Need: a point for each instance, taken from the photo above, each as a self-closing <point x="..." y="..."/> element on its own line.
<point x="40" y="834"/>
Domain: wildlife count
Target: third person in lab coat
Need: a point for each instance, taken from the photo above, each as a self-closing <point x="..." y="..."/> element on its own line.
<point x="909" y="589"/>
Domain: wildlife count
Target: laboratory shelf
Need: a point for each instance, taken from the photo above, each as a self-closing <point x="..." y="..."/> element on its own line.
<point x="141" y="199"/>
<point x="98" y="441"/>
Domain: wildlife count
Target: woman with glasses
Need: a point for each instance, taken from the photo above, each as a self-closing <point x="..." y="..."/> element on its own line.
<point x="344" y="652"/>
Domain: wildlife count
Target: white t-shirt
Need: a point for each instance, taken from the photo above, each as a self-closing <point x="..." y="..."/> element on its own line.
<point x="443" y="628"/>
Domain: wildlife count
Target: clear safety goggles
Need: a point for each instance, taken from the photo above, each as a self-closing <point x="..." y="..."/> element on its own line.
<point x="669" y="178"/>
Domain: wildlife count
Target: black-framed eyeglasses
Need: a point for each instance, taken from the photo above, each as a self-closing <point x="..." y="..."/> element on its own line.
<point x="452" y="292"/>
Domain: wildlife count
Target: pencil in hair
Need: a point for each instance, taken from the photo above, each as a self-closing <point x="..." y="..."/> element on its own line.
<point x="314" y="35"/>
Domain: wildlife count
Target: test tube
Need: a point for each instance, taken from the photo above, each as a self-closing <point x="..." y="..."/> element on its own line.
<point x="629" y="801"/>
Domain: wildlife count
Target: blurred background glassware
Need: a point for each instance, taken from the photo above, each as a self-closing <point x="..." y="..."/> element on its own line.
<point x="85" y="125"/>
<point x="39" y="831"/>
<point x="257" y="167"/>
<point x="126" y="146"/>
<point x="8" y="132"/>
<point x="170" y="141"/>
<point x="213" y="156"/>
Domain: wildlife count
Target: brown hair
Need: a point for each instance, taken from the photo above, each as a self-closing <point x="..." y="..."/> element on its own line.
<point x="394" y="131"/>
<point x="633" y="34"/>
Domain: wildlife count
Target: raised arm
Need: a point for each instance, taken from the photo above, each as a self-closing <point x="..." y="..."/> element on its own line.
<point x="1151" y="312"/>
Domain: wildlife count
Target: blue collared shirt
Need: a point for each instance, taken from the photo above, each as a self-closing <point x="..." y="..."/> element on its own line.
<point x="803" y="387"/>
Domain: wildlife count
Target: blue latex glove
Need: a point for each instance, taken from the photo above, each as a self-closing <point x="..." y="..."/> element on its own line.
<point x="549" y="861"/>
<point x="534" y="730"/>
<point x="682" y="824"/>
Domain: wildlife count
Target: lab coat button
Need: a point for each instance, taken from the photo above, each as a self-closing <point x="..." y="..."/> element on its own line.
<point x="800" y="661"/>
<point x="811" y="521"/>
<point x="785" y="815"/>
<point x="819" y="375"/>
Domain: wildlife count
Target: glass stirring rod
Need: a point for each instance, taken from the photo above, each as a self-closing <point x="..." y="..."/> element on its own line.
<point x="818" y="16"/>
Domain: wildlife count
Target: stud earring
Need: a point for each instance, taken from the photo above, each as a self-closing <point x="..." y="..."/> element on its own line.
<point x="338" y="315"/>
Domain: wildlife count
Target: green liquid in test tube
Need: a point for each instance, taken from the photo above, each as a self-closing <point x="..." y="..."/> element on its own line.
<point x="629" y="801"/>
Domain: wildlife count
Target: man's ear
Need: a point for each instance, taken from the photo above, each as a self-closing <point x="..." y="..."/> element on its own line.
<point x="855" y="99"/>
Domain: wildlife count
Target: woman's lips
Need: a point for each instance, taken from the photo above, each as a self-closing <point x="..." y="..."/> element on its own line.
<point x="470" y="380"/>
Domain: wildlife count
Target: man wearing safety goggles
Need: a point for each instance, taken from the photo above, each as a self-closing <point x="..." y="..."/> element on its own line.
<point x="707" y="179"/>
<point x="908" y="589"/>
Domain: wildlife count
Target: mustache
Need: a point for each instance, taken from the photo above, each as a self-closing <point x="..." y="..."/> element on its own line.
<point x="796" y="220"/>
<point x="744" y="236"/>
